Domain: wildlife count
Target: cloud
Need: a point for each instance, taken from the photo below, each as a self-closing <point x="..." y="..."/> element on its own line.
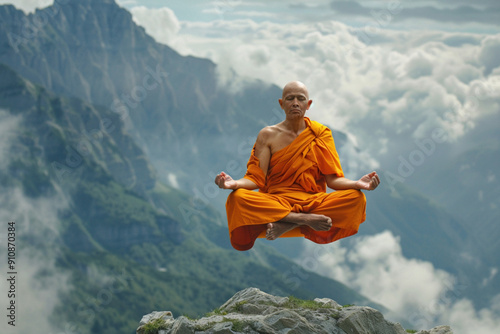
<point x="127" y="2"/>
<point x="403" y="84"/>
<point x="465" y="319"/>
<point x="489" y="54"/>
<point x="28" y="6"/>
<point x="158" y="22"/>
<point x="172" y="179"/>
<point x="452" y="12"/>
<point x="38" y="281"/>
<point x="225" y="9"/>
<point x="414" y="290"/>
<point x="386" y="89"/>
<point x="255" y="14"/>
<point x="376" y="267"/>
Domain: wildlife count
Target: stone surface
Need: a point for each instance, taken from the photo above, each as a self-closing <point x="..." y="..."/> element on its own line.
<point x="437" y="330"/>
<point x="254" y="311"/>
<point x="366" y="320"/>
<point x="166" y="315"/>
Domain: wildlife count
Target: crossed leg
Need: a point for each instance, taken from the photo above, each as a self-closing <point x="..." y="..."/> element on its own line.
<point x="330" y="217"/>
<point x="294" y="219"/>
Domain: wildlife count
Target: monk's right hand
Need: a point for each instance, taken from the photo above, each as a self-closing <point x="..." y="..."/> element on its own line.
<point x="225" y="181"/>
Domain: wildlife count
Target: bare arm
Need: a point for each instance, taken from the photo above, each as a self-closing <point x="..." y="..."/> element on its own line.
<point x="367" y="182"/>
<point x="262" y="152"/>
<point x="225" y="181"/>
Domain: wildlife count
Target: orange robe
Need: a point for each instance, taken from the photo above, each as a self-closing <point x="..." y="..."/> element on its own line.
<point x="295" y="183"/>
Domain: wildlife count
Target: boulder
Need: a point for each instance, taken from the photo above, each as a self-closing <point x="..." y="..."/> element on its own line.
<point x="254" y="311"/>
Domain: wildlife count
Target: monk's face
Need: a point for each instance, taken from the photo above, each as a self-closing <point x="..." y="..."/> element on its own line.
<point x="295" y="100"/>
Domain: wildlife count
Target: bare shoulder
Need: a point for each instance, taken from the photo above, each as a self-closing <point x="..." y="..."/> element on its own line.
<point x="267" y="134"/>
<point x="275" y="137"/>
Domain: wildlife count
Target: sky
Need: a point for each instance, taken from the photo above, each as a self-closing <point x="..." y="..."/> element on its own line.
<point x="390" y="74"/>
<point x="460" y="15"/>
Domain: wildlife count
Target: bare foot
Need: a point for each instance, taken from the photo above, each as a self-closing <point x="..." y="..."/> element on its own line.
<point x="275" y="230"/>
<point x="314" y="221"/>
<point x="318" y="222"/>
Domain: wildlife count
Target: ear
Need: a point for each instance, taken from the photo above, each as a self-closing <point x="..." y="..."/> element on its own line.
<point x="309" y="104"/>
<point x="281" y="103"/>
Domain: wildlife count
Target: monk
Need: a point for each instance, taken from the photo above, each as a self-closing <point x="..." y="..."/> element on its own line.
<point x="291" y="164"/>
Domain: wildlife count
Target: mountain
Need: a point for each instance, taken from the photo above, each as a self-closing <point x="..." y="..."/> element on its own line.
<point x="172" y="105"/>
<point x="122" y="241"/>
<point x="254" y="311"/>
<point x="132" y="133"/>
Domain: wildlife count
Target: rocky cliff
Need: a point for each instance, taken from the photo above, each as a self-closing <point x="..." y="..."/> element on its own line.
<point x="254" y="311"/>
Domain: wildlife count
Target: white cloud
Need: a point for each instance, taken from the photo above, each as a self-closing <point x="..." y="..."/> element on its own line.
<point x="28" y="6"/>
<point x="442" y="14"/>
<point x="158" y="22"/>
<point x="384" y="88"/>
<point x="344" y="72"/>
<point x="256" y="14"/>
<point x="127" y="2"/>
<point x="398" y="84"/>
<point x="356" y="162"/>
<point x="414" y="290"/>
<point x="465" y="319"/>
<point x="38" y="281"/>
<point x="376" y="267"/>
<point x="172" y="179"/>
<point x="489" y="55"/>
<point x="493" y="273"/>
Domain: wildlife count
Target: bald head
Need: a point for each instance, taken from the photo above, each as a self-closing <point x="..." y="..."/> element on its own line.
<point x="295" y="100"/>
<point x="295" y="86"/>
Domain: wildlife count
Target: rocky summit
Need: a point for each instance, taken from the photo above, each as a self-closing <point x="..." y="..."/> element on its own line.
<point x="254" y="311"/>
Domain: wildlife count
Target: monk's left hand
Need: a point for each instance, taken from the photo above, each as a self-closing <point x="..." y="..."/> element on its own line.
<point x="369" y="181"/>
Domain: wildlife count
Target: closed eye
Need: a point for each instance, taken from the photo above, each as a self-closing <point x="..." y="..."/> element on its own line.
<point x="292" y="97"/>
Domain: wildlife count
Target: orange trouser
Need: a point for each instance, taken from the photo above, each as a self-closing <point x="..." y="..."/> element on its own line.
<point x="248" y="213"/>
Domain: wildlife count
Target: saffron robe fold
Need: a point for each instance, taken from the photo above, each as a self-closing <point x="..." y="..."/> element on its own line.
<point x="295" y="182"/>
